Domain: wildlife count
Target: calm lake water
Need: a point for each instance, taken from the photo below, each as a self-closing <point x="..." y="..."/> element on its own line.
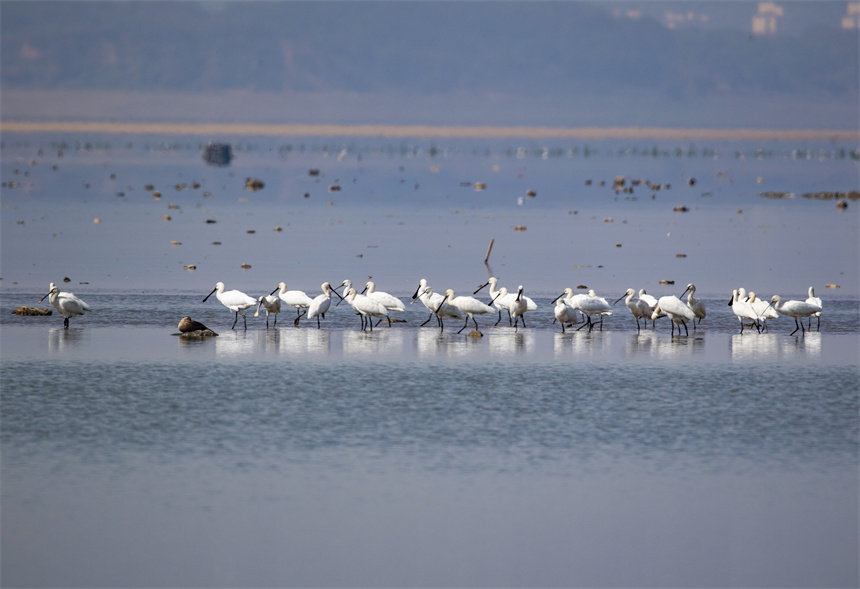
<point x="406" y="456"/>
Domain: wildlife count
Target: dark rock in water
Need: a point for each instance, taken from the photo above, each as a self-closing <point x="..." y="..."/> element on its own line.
<point x="218" y="154"/>
<point x="188" y="325"/>
<point x="32" y="311"/>
<point x="199" y="334"/>
<point x="475" y="334"/>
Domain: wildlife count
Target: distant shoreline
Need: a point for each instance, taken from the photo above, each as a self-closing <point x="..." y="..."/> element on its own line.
<point x="432" y="131"/>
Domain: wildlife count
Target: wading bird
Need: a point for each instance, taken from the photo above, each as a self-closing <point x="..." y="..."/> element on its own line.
<point x="66" y="303"/>
<point x="322" y="303"/>
<point x="468" y="305"/>
<point x="796" y="309"/>
<point x="696" y="306"/>
<point x="638" y="308"/>
<point x="676" y="310"/>
<point x="234" y="300"/>
<point x="563" y="313"/>
<point x="294" y="298"/>
<point x="743" y="310"/>
<point x="272" y="304"/>
<point x="814" y="300"/>
<point x="366" y="307"/>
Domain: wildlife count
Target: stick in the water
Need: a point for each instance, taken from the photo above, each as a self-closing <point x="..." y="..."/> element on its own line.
<point x="489" y="249"/>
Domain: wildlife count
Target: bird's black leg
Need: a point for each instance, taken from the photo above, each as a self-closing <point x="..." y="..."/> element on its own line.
<point x="497" y="322"/>
<point x="796" y="328"/>
<point x="686" y="331"/>
<point x="65" y="322"/>
<point x="235" y="320"/>
<point x="465" y="324"/>
<point x="428" y="320"/>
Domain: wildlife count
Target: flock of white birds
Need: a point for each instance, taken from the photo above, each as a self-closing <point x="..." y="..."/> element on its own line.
<point x="570" y="309"/>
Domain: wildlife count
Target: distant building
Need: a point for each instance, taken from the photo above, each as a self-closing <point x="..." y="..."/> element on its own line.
<point x="851" y="20"/>
<point x="764" y="21"/>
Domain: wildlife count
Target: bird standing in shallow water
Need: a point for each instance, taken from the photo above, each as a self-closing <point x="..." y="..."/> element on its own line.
<point x="322" y="303"/>
<point x="696" y="306"/>
<point x="66" y="304"/>
<point x="814" y="300"/>
<point x="294" y="298"/>
<point x="272" y="304"/>
<point x="563" y="313"/>
<point x="676" y="310"/>
<point x="796" y="309"/>
<point x="638" y="308"/>
<point x="234" y="300"/>
<point x="468" y="305"/>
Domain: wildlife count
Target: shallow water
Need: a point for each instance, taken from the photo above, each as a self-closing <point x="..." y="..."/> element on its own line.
<point x="406" y="456"/>
<point x="409" y="456"/>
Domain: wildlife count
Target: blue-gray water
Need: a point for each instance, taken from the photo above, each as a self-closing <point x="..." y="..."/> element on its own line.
<point x="406" y="456"/>
<point x="410" y="457"/>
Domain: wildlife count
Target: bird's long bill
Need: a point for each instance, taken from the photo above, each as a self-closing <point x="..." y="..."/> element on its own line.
<point x="685" y="292"/>
<point x="415" y="296"/>
<point x="338" y="294"/>
<point x="442" y="303"/>
<point x="44" y="297"/>
<point x="480" y="287"/>
<point x="210" y="294"/>
<point x="562" y="294"/>
<point x="260" y="302"/>
<point x="731" y="300"/>
<point x="498" y="294"/>
<point x="363" y="290"/>
<point x="624" y="296"/>
<point x="277" y="288"/>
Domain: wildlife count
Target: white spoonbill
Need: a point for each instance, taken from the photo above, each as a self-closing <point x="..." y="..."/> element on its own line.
<point x="743" y="310"/>
<point x="366" y="307"/>
<point x="234" y="300"/>
<point x="649" y="300"/>
<point x="468" y="305"/>
<point x="272" y="304"/>
<point x="814" y="300"/>
<point x="322" y="303"/>
<point x="762" y="309"/>
<point x="563" y="313"/>
<point x="697" y="306"/>
<point x="518" y="308"/>
<point x="436" y="304"/>
<point x="796" y="309"/>
<point x="390" y="302"/>
<point x="502" y="299"/>
<point x="66" y="303"/>
<point x="638" y="308"/>
<point x="294" y="298"/>
<point x="676" y="310"/>
<point x="590" y="304"/>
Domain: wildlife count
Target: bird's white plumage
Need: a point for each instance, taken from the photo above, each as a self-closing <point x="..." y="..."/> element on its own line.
<point x="66" y="303"/>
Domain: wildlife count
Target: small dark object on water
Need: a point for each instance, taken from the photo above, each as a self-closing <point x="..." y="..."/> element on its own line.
<point x="681" y="209"/>
<point x="218" y="154"/>
<point x="67" y="279"/>
<point x="314" y="172"/>
<point x="32" y="312"/>
<point x="667" y="282"/>
<point x="253" y="184"/>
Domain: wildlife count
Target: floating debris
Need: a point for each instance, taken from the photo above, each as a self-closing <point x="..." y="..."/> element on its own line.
<point x="667" y="282"/>
<point x="251" y="231"/>
<point x="609" y="220"/>
<point x="97" y="220"/>
<point x="190" y="267"/>
<point x="156" y="195"/>
<point x="149" y="187"/>
<point x="211" y="221"/>
<point x="278" y="229"/>
<point x="253" y="184"/>
<point x="67" y="279"/>
<point x="777" y="194"/>
<point x="531" y="194"/>
<point x="246" y="266"/>
<point x="520" y="228"/>
<point x="173" y="207"/>
<point x="167" y="217"/>
<point x="588" y="182"/>
<point x="851" y="195"/>
<point x="218" y="154"/>
<point x="175" y="243"/>
<point x="314" y="172"/>
<point x="691" y="181"/>
<point x="832" y="286"/>
<point x="841" y="204"/>
<point x="681" y="209"/>
<point x="617" y="245"/>
<point x="216" y="243"/>
<point x="680" y="255"/>
<point x="480" y="186"/>
<point x="334" y="188"/>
